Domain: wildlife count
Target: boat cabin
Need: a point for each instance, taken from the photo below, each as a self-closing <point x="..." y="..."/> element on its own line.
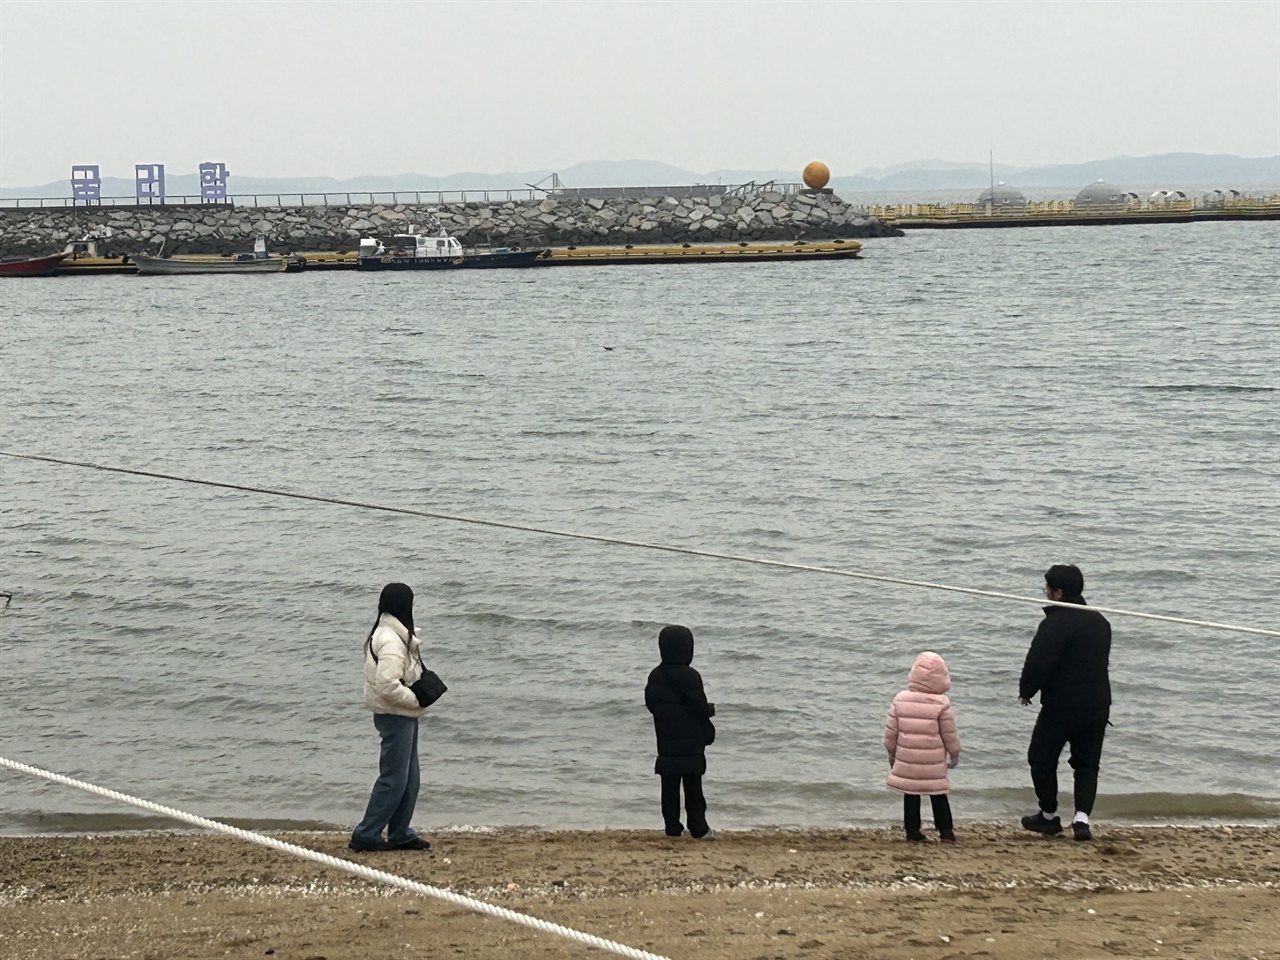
<point x="259" y="251"/>
<point x="86" y="248"/>
<point x="442" y="246"/>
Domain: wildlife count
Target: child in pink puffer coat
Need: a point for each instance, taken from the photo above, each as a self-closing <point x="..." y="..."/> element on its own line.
<point x="923" y="745"/>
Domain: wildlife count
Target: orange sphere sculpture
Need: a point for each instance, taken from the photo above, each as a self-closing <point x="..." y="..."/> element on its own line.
<point x="816" y="175"/>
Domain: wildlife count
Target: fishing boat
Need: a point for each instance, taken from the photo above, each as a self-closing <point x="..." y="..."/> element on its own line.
<point x="257" y="262"/>
<point x="30" y="266"/>
<point x="185" y="265"/>
<point x="84" y="257"/>
<point x="418" y="251"/>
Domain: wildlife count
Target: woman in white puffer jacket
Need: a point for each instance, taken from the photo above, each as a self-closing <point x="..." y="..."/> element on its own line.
<point x="392" y="663"/>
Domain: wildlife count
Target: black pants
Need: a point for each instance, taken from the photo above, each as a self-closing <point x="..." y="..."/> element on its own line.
<point x="695" y="804"/>
<point x="911" y="812"/>
<point x="1055" y="729"/>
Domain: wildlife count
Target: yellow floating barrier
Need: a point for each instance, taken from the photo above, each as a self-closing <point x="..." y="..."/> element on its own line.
<point x="701" y="253"/>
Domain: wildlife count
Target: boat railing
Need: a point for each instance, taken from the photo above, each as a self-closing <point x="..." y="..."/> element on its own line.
<point x="753" y="187"/>
<point x="404" y="197"/>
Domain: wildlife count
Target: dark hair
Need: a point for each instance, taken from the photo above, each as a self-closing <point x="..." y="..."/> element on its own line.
<point x="1065" y="577"/>
<point x="396" y="599"/>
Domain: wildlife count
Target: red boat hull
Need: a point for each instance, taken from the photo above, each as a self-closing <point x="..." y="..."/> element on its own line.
<point x="35" y="267"/>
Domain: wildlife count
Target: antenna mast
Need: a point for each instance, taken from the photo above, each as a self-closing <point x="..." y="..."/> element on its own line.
<point x="991" y="196"/>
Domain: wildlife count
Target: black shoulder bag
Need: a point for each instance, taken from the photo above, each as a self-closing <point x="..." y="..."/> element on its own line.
<point x="428" y="688"/>
<point x="700" y="711"/>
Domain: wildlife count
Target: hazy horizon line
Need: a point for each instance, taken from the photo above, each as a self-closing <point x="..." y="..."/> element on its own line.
<point x="871" y="172"/>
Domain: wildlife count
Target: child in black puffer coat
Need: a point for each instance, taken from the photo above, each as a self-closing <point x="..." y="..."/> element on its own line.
<point x="682" y="722"/>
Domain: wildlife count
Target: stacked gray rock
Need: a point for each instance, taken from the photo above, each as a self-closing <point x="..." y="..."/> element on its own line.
<point x="760" y="216"/>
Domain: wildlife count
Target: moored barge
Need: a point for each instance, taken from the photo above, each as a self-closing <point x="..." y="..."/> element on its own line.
<point x="742" y="252"/>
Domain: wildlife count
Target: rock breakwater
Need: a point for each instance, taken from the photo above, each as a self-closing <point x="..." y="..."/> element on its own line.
<point x="760" y="216"/>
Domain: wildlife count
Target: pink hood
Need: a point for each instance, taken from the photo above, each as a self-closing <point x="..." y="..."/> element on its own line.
<point x="929" y="674"/>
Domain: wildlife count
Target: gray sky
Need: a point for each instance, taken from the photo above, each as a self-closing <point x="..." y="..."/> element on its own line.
<point x="311" y="88"/>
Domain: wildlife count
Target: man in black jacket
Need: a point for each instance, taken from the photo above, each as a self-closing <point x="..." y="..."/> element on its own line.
<point x="1067" y="666"/>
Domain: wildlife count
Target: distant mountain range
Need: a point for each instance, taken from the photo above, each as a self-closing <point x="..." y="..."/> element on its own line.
<point x="1169" y="170"/>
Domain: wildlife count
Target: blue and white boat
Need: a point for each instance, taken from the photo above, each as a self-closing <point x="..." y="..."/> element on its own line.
<point x="418" y="251"/>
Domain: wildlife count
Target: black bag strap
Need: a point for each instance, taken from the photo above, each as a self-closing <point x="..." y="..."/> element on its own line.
<point x="408" y="646"/>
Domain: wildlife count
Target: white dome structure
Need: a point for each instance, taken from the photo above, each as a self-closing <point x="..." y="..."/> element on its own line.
<point x="1002" y="197"/>
<point x="1101" y="194"/>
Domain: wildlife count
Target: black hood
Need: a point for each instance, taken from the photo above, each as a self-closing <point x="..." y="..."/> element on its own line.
<point x="675" y="643"/>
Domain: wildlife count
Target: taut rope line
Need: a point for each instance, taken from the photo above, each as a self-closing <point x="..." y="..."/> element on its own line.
<point x="640" y="544"/>
<point x="360" y="870"/>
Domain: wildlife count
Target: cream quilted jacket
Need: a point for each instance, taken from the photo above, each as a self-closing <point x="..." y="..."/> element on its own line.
<point x="391" y="664"/>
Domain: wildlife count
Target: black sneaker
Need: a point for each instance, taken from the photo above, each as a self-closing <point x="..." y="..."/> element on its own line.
<point x="1037" y="823"/>
<point x="915" y="836"/>
<point x="366" y="846"/>
<point x="1081" y="830"/>
<point x="417" y="843"/>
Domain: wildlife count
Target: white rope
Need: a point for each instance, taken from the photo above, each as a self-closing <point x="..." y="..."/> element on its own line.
<point x="368" y="873"/>
<point x="640" y="544"/>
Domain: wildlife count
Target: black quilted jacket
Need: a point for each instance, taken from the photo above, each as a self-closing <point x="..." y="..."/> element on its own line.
<point x="681" y="740"/>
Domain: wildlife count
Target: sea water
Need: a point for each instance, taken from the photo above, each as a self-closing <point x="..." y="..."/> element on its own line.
<point x="958" y="407"/>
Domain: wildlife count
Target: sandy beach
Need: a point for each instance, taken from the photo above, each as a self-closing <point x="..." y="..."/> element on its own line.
<point x="1135" y="892"/>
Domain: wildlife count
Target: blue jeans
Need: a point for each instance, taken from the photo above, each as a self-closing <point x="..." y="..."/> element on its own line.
<point x="396" y="790"/>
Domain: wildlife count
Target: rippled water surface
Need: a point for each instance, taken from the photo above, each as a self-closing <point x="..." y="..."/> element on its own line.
<point x="964" y="407"/>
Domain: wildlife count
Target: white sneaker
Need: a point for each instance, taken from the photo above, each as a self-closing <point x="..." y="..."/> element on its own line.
<point x="709" y="835"/>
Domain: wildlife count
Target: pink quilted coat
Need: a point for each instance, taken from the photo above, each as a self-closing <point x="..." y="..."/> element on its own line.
<point x="921" y="730"/>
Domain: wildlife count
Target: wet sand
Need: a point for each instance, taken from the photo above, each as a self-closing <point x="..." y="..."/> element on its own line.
<point x="773" y="895"/>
